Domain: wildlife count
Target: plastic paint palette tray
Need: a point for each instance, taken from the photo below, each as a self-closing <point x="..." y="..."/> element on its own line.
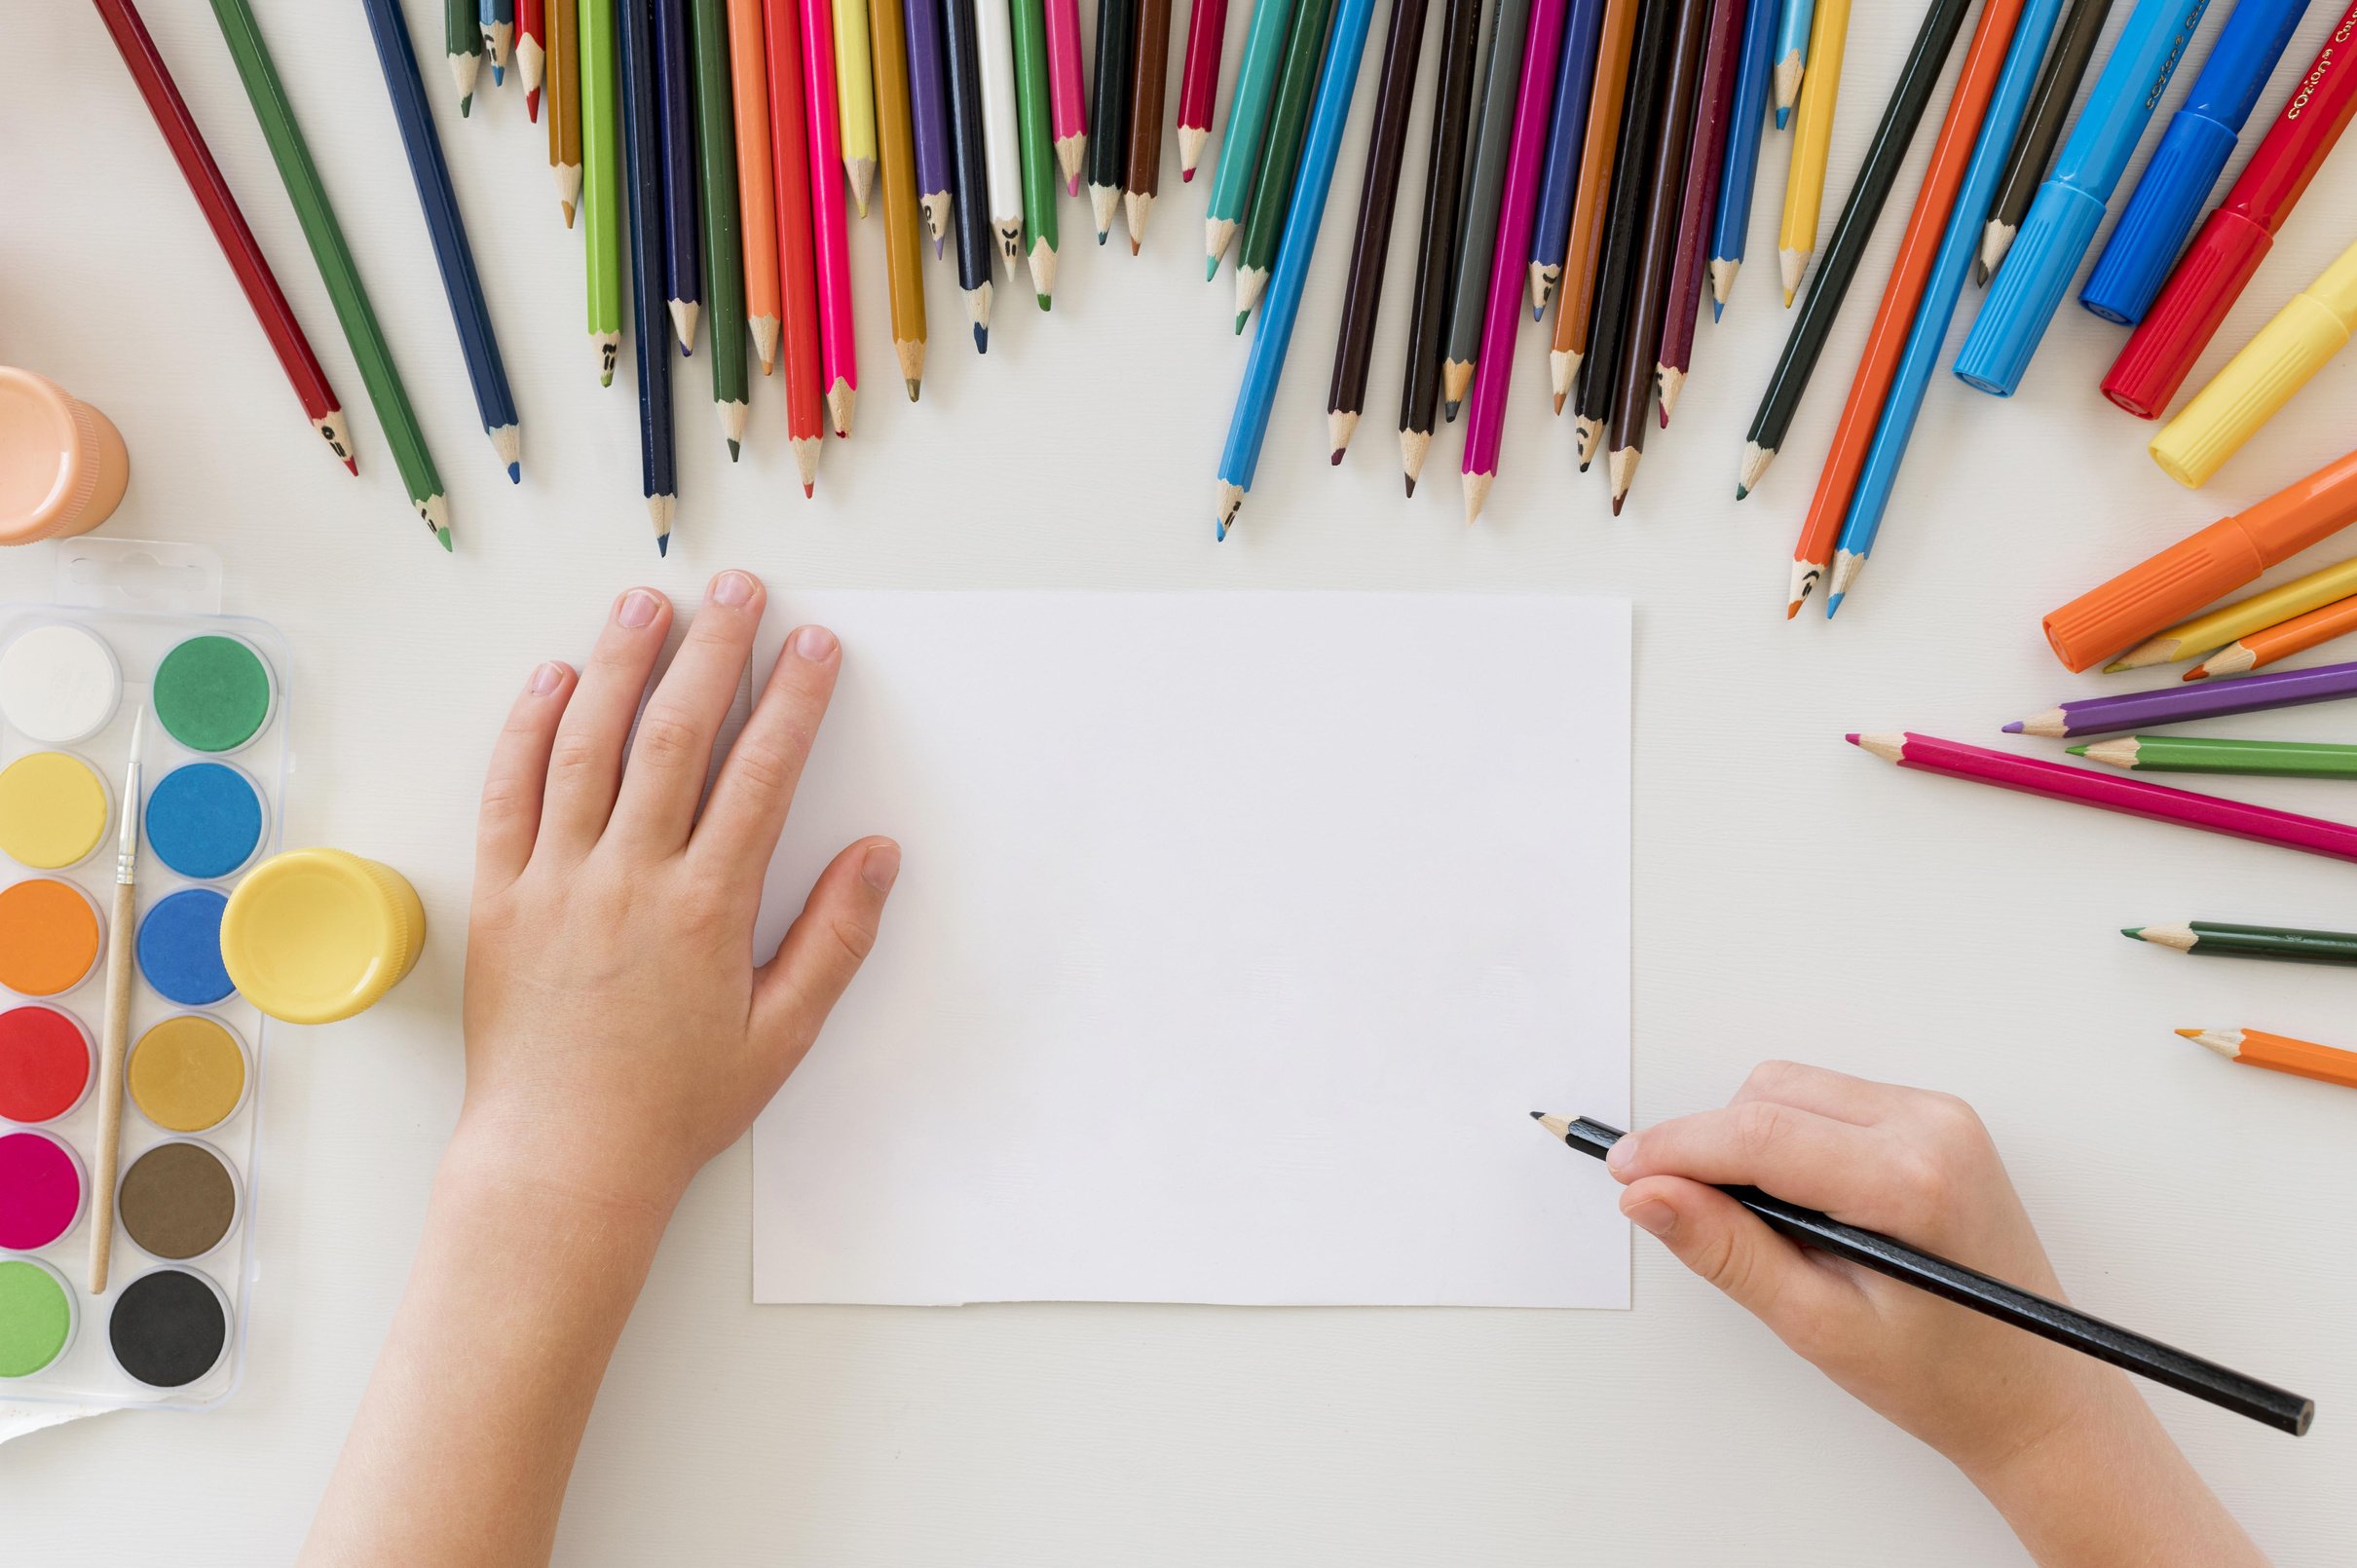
<point x="214" y="751"/>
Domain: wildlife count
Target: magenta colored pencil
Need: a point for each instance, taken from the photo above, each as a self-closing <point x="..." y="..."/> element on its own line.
<point x="830" y="234"/>
<point x="1068" y="91"/>
<point x="1199" y="81"/>
<point x="1525" y="156"/>
<point x="1699" y="208"/>
<point x="2110" y="792"/>
<point x="2178" y="703"/>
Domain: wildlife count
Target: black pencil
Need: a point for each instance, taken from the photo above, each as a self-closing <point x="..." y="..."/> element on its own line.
<point x="2058" y="79"/>
<point x="1370" y="246"/>
<point x="971" y="209"/>
<point x="1437" y="246"/>
<point x="1993" y="1298"/>
<point x="1608" y="317"/>
<point x="1109" y="110"/>
<point x="1853" y="233"/>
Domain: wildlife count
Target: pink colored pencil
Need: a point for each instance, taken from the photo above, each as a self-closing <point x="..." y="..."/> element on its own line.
<point x="2110" y="792"/>
<point x="1518" y="205"/>
<point x="1690" y="264"/>
<point x="1199" y="81"/>
<point x="830" y="234"/>
<point x="1068" y="91"/>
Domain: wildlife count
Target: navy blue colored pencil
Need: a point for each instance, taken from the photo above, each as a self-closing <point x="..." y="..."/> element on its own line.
<point x="970" y="196"/>
<point x="1566" y="137"/>
<point x="643" y="181"/>
<point x="1738" y="175"/>
<point x="397" y="57"/>
<point x="682" y="269"/>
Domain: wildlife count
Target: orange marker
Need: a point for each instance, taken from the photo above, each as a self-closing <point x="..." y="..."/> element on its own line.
<point x="2300" y="1058"/>
<point x="749" y="85"/>
<point x="2294" y="636"/>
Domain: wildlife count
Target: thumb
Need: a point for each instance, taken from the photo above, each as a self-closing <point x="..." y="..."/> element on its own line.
<point x="823" y="948"/>
<point x="1733" y="1248"/>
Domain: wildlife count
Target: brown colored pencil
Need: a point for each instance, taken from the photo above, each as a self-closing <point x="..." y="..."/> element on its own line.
<point x="564" y="94"/>
<point x="1149" y="74"/>
<point x="1370" y="244"/>
<point x="1593" y="194"/>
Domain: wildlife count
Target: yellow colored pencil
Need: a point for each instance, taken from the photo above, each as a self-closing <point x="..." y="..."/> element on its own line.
<point x="1812" y="140"/>
<point x="2205" y="634"/>
<point x="854" y="98"/>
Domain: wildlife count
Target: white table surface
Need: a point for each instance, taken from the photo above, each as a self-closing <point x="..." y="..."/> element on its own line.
<point x="1792" y="896"/>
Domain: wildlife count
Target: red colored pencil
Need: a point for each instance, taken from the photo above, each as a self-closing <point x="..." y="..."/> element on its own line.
<point x="532" y="51"/>
<point x="229" y="230"/>
<point x="1699" y="205"/>
<point x="797" y="254"/>
<point x="1199" y="81"/>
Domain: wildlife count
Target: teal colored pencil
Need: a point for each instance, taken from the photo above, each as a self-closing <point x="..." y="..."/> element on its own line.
<point x="1247" y="119"/>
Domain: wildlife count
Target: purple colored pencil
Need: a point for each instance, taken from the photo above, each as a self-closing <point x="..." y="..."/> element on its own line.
<point x="2181" y="703"/>
<point x="929" y="115"/>
<point x="1566" y="135"/>
<point x="1517" y="202"/>
<point x="1700" y="210"/>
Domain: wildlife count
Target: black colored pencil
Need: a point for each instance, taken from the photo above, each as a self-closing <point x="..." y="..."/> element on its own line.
<point x="1437" y="244"/>
<point x="1109" y="110"/>
<point x="971" y="207"/>
<point x="2042" y="124"/>
<point x="1608" y="317"/>
<point x="1993" y="1298"/>
<point x="1370" y="246"/>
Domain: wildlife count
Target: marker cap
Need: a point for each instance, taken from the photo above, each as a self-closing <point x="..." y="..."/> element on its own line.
<point x="2166" y="343"/>
<point x="2135" y="261"/>
<point x="2247" y="392"/>
<point x="2029" y="289"/>
<point x="316" y="935"/>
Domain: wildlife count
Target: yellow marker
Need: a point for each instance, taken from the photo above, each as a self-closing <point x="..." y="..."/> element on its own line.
<point x="316" y="935"/>
<point x="854" y="100"/>
<point x="52" y="810"/>
<point x="2206" y="634"/>
<point x="1812" y="140"/>
<point x="2262" y="377"/>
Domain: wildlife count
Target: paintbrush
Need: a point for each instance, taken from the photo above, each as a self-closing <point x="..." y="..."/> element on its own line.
<point x="115" y="1042"/>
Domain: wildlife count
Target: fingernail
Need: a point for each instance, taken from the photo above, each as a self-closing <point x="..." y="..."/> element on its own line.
<point x="638" y="609"/>
<point x="880" y="868"/>
<point x="1654" y="1217"/>
<point x="732" y="589"/>
<point x="815" y="644"/>
<point x="1622" y="1154"/>
<point x="547" y="677"/>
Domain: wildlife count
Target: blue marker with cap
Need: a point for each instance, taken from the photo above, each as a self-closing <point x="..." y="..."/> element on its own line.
<point x="2194" y="150"/>
<point x="2070" y="206"/>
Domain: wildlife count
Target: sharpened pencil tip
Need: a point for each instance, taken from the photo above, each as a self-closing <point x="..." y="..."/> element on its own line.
<point x="351" y="466"/>
<point x="736" y="447"/>
<point x="913" y="384"/>
<point x="1792" y="610"/>
<point x="2134" y="933"/>
<point x="1103" y="235"/>
<point x="1211" y="268"/>
<point x="982" y="340"/>
<point x="1450" y="411"/>
<point x="2013" y="728"/>
<point x="443" y="534"/>
<point x="1741" y="492"/>
<point x="1784" y="118"/>
<point x="515" y="474"/>
<point x="467" y="106"/>
<point x="1833" y="602"/>
<point x="1852" y="737"/>
<point x="2189" y="1035"/>
<point x="1718" y="309"/>
<point x="2076" y="751"/>
<point x="1186" y="176"/>
<point x="808" y="490"/>
<point x="662" y="545"/>
<point x="1336" y="458"/>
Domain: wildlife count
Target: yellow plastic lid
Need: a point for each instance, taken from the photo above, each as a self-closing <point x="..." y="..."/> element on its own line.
<point x="316" y="935"/>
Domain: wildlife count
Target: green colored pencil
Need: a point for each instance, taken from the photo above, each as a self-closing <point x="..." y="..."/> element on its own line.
<point x="292" y="153"/>
<point x="462" y="38"/>
<point x="2282" y="943"/>
<point x="724" y="245"/>
<point x="1037" y="143"/>
<point x="2177" y="753"/>
<point x="601" y="183"/>
<point x="1273" y="181"/>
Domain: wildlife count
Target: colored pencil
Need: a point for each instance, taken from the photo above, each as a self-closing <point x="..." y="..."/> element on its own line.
<point x="1502" y="66"/>
<point x="2130" y="797"/>
<point x="642" y="176"/>
<point x="2280" y="943"/>
<point x="797" y="256"/>
<point x="1993" y="1298"/>
<point x="1068" y="91"/>
<point x="2259" y="649"/>
<point x="1001" y="136"/>
<point x="1370" y="242"/>
<point x="1305" y="214"/>
<point x="2033" y="147"/>
<point x="675" y="117"/>
<point x="1599" y="150"/>
<point x="896" y="176"/>
<point x="855" y="97"/>
<point x="1152" y="72"/>
<point x="292" y="153"/>
<point x="1792" y="36"/>
<point x="1246" y="117"/>
<point x="532" y="52"/>
<point x="1108" y="155"/>
<point x="497" y="19"/>
<point x="1199" y="81"/>
<point x="1738" y="169"/>
<point x="829" y="230"/>
<point x="2177" y="179"/>
<point x="1624" y="227"/>
<point x="2182" y="704"/>
<point x="463" y="39"/>
<point x="929" y="115"/>
<point x="1437" y="238"/>
<point x="1812" y="140"/>
<point x="2263" y="759"/>
<point x="230" y="232"/>
<point x="453" y="256"/>
<point x="1698" y="206"/>
<point x="971" y="207"/>
<point x="2301" y="1059"/>
<point x="114" y="1036"/>
<point x="1035" y="142"/>
<point x="723" y="251"/>
<point x="756" y="181"/>
<point x="1853" y="233"/>
<point x="2212" y="631"/>
<point x="2237" y="236"/>
<point x="563" y="86"/>
<point x="1657" y="244"/>
<point x="603" y="219"/>
<point x="1559" y="166"/>
<point x="1281" y="153"/>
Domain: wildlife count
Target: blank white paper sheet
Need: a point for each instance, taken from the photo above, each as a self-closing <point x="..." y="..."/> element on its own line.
<point x="1235" y="938"/>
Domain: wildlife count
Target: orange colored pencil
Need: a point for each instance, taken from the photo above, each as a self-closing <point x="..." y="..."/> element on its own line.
<point x="2294" y="636"/>
<point x="2301" y="1059"/>
<point x="1589" y="197"/>
<point x="756" y="196"/>
<point x="796" y="249"/>
<point x="1975" y="84"/>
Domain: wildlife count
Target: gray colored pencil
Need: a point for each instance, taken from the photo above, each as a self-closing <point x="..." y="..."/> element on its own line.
<point x="1484" y="181"/>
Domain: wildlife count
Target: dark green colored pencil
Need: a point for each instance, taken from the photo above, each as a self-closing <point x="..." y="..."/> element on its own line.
<point x="724" y="245"/>
<point x="1280" y="153"/>
<point x="2282" y="943"/>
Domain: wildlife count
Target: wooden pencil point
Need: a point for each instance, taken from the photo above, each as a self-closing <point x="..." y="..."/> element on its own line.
<point x="1456" y="378"/>
<point x="1622" y="467"/>
<point x="1671" y="382"/>
<point x="609" y="347"/>
<point x="1803" y="582"/>
<point x="1010" y="242"/>
<point x="2145" y="654"/>
<point x="1788" y="72"/>
<point x="911" y="353"/>
<point x="1562" y="370"/>
<point x="568" y="189"/>
<point x="1476" y="492"/>
<point x="1070" y="152"/>
<point x="1339" y="425"/>
<point x="1793" y="264"/>
<point x="2180" y="937"/>
<point x="1543" y="278"/>
<point x="1191" y="140"/>
<point x="861" y="172"/>
<point x="842" y="398"/>
<point x="1754" y="469"/>
<point x="1103" y="199"/>
<point x="659" y="512"/>
<point x="1722" y="281"/>
<point x="936" y="207"/>
<point x="683" y="322"/>
<point x="1995" y="241"/>
<point x="1043" y="271"/>
<point x="1251" y="283"/>
<point x="2111" y="753"/>
<point x="1587" y="432"/>
<point x="1413" y="445"/>
<point x="1136" y="205"/>
<point x="805" y="463"/>
<point x="732" y="425"/>
<point x="1218" y="235"/>
<point x="765" y="329"/>
<point x="2052" y="725"/>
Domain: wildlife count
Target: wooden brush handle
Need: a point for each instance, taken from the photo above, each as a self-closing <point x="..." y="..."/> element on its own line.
<point x="113" y="1044"/>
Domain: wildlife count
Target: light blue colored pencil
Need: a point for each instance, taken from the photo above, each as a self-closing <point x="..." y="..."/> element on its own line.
<point x="1329" y="118"/>
<point x="1929" y="336"/>
<point x="1739" y="172"/>
<point x="1791" y="56"/>
<point x="1247" y="119"/>
<point x="497" y="18"/>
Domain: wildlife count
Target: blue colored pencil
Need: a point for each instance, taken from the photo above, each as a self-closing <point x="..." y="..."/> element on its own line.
<point x="1329" y="117"/>
<point x="1929" y="336"/>
<point x="1739" y="172"/>
<point x="1566" y="135"/>
<point x="643" y="180"/>
<point x="397" y="57"/>
<point x="1791" y="56"/>
<point x="675" y="115"/>
<point x="497" y="17"/>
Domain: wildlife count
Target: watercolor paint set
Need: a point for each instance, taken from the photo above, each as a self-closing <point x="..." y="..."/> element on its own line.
<point x="132" y="630"/>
